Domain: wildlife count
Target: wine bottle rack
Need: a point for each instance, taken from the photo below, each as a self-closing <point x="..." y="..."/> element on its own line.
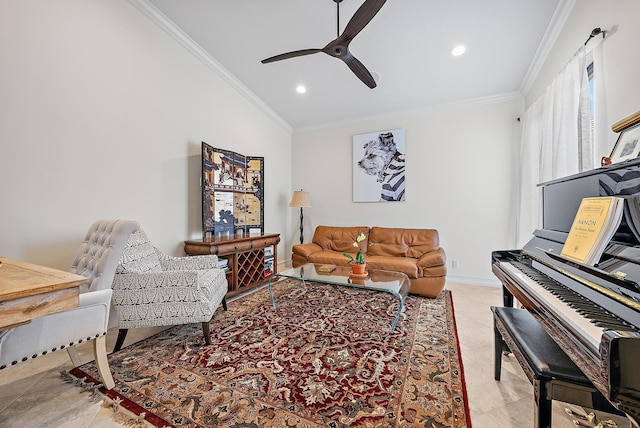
<point x="246" y="258"/>
<point x="250" y="268"/>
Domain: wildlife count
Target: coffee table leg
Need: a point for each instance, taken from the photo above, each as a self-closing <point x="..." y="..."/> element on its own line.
<point x="273" y="301"/>
<point x="395" y="321"/>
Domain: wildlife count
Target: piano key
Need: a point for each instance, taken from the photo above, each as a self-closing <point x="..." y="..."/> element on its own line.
<point x="589" y="333"/>
<point x="582" y="305"/>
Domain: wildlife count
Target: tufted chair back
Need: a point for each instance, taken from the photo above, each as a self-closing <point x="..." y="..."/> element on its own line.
<point x="100" y="252"/>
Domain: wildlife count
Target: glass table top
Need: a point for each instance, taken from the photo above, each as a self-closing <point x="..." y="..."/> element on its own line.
<point x="379" y="280"/>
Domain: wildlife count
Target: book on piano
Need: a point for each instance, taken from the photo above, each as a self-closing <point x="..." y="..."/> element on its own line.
<point x="594" y="225"/>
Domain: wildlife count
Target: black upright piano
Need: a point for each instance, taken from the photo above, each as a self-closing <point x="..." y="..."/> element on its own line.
<point x="592" y="312"/>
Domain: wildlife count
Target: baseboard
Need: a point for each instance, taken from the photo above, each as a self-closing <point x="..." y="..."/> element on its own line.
<point x="474" y="281"/>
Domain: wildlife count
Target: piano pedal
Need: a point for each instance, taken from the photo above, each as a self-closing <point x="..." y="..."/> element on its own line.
<point x="606" y="424"/>
<point x="578" y="423"/>
<point x="591" y="419"/>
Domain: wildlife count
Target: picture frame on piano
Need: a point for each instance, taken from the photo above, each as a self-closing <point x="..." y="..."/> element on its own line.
<point x="628" y="144"/>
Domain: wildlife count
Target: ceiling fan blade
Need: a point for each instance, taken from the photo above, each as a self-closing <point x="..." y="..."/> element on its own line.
<point x="359" y="70"/>
<point x="339" y="47"/>
<point x="291" y="55"/>
<point x="361" y="18"/>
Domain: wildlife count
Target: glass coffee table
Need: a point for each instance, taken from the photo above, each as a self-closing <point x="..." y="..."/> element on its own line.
<point x="394" y="283"/>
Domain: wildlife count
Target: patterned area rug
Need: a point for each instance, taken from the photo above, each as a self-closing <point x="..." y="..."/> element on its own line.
<point x="323" y="358"/>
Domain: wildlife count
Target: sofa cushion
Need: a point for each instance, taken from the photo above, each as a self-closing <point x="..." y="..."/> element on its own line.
<point x="328" y="257"/>
<point x="398" y="242"/>
<point x="406" y="265"/>
<point x="340" y="239"/>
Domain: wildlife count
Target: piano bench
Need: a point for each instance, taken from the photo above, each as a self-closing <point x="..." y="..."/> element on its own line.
<point x="551" y="372"/>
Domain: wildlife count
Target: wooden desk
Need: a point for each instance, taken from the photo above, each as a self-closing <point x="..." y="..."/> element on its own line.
<point x="29" y="291"/>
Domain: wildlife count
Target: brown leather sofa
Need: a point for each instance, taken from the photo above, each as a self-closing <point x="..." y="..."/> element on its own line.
<point x="414" y="252"/>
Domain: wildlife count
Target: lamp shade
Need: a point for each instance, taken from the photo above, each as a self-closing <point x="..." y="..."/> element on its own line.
<point x="300" y="199"/>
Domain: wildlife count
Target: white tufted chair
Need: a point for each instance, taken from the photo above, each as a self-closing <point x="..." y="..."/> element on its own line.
<point x="153" y="289"/>
<point x="97" y="260"/>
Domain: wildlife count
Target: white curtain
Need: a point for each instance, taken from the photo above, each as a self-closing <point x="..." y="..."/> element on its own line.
<point x="556" y="140"/>
<point x="601" y="125"/>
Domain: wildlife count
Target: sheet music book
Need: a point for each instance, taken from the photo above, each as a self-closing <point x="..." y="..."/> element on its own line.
<point x="593" y="227"/>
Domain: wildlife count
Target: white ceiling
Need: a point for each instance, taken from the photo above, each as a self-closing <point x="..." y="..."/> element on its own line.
<point x="407" y="43"/>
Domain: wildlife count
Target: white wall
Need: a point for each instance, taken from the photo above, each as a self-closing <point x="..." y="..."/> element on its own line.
<point x="101" y="116"/>
<point x="459" y="167"/>
<point x="620" y="57"/>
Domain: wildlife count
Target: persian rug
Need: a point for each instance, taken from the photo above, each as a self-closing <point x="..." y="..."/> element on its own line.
<point x="323" y="358"/>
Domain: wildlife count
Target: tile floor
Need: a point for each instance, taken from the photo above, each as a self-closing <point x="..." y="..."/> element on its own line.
<point x="32" y="394"/>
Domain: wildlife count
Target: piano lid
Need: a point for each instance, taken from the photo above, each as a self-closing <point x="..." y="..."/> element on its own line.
<point x="632" y="164"/>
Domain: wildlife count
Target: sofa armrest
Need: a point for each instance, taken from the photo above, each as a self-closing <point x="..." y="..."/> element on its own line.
<point x="170" y="263"/>
<point x="133" y="282"/>
<point x="432" y="259"/>
<point x="305" y="250"/>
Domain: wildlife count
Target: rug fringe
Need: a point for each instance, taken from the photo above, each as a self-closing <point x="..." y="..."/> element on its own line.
<point x="118" y="413"/>
<point x="83" y="384"/>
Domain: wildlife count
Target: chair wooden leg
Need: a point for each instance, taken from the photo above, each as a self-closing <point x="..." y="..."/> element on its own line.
<point x="75" y="357"/>
<point x="102" y="363"/>
<point x="122" y="334"/>
<point x="205" y="332"/>
<point x="224" y="303"/>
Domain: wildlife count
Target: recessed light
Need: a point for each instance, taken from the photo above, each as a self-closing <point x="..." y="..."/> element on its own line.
<point x="458" y="50"/>
<point x="301" y="89"/>
<point x="376" y="76"/>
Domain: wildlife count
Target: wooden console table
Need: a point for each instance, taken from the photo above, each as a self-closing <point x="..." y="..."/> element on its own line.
<point x="247" y="256"/>
<point x="29" y="291"/>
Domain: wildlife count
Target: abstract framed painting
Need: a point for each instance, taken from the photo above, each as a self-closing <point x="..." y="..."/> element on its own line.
<point x="379" y="166"/>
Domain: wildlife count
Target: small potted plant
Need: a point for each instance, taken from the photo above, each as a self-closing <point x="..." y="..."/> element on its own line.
<point x="357" y="263"/>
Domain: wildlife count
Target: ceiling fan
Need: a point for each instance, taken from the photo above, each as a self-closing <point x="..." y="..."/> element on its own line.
<point x="339" y="47"/>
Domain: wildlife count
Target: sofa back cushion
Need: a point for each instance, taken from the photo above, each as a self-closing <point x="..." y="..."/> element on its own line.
<point x="398" y="242"/>
<point x="340" y="239"/>
<point x="139" y="255"/>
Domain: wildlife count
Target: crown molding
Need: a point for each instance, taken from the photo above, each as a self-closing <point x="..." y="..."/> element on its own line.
<point x="403" y="114"/>
<point x="161" y="20"/>
<point x="551" y="34"/>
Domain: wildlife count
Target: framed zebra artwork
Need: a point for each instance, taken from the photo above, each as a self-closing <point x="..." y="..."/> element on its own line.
<point x="379" y="166"/>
